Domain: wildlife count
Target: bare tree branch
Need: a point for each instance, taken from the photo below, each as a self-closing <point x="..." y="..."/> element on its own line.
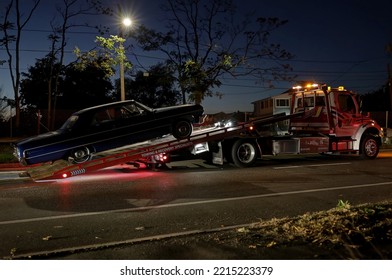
<point x="205" y="42"/>
<point x="8" y="39"/>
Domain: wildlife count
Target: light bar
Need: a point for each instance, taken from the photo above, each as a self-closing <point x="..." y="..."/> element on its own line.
<point x="312" y="86"/>
<point x="306" y="87"/>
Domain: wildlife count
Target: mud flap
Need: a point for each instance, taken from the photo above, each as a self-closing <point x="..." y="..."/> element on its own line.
<point x="217" y="157"/>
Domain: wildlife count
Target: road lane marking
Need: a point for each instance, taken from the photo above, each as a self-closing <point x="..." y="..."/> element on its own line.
<point x="312" y="165"/>
<point x="146" y="208"/>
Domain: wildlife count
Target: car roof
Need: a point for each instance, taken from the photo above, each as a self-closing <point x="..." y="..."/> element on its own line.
<point x="107" y="105"/>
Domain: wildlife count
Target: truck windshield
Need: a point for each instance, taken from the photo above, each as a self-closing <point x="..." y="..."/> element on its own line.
<point x="308" y="101"/>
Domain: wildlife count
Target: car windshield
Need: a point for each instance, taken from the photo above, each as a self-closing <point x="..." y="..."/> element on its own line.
<point x="69" y="123"/>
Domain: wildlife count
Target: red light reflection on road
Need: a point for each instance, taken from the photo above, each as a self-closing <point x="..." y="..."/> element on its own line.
<point x="64" y="197"/>
<point x="115" y="173"/>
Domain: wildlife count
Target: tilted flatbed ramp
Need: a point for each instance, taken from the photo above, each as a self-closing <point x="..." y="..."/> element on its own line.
<point x="62" y="169"/>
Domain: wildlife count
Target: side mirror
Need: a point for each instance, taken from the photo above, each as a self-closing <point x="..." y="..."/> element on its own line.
<point x="360" y="103"/>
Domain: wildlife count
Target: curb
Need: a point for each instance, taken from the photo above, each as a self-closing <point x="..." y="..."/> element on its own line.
<point x="12" y="167"/>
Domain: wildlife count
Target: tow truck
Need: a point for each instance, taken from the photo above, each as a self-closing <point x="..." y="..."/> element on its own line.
<point x="322" y="120"/>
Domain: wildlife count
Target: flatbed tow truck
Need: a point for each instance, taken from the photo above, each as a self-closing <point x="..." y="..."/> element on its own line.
<point x="322" y="120"/>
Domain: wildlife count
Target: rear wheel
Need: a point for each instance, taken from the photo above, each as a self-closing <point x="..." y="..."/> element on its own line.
<point x="244" y="153"/>
<point x="182" y="129"/>
<point x="80" y="155"/>
<point x="369" y="147"/>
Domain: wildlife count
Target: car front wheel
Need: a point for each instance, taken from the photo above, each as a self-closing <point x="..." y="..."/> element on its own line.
<point x="80" y="155"/>
<point x="182" y="129"/>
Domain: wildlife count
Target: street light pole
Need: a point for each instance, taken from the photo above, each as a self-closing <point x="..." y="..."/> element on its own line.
<point x="125" y="23"/>
<point x="122" y="82"/>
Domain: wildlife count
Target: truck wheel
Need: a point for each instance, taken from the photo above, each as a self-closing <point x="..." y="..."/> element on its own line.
<point x="80" y="155"/>
<point x="244" y="153"/>
<point x="182" y="129"/>
<point x="369" y="147"/>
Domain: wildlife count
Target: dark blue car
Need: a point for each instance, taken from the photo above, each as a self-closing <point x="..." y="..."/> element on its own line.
<point x="107" y="127"/>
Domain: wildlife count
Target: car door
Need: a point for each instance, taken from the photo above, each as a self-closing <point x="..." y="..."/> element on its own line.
<point x="98" y="130"/>
<point x="138" y="123"/>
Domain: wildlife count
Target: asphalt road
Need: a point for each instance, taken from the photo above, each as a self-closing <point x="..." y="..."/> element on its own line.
<point x="124" y="206"/>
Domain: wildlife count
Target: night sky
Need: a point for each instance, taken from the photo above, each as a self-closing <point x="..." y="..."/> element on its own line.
<point x="334" y="42"/>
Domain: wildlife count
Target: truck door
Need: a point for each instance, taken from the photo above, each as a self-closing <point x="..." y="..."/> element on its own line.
<point x="314" y="120"/>
<point x="347" y="113"/>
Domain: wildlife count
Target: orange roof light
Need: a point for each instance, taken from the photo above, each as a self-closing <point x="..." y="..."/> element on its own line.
<point x="312" y="86"/>
<point x="306" y="87"/>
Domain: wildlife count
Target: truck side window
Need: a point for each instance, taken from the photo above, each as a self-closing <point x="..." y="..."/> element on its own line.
<point x="346" y="103"/>
<point x="320" y="100"/>
<point x="350" y="105"/>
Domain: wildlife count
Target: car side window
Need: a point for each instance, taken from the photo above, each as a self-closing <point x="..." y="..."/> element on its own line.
<point x="100" y="117"/>
<point x="70" y="122"/>
<point x="131" y="111"/>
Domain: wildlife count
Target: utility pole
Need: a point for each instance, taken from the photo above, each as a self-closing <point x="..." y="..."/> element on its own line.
<point x="389" y="52"/>
<point x="390" y="86"/>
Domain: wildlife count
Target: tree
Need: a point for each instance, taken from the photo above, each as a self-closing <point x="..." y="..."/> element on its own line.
<point x="154" y="88"/>
<point x="79" y="88"/>
<point x="67" y="13"/>
<point x="3" y="107"/>
<point x="204" y="42"/>
<point x="86" y="87"/>
<point x="37" y="81"/>
<point x="110" y="53"/>
<point x="12" y="34"/>
<point x="377" y="101"/>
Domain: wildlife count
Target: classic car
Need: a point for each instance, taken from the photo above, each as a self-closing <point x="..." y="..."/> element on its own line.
<point x="106" y="127"/>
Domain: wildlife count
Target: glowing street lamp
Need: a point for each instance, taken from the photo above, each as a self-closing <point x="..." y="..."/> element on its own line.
<point x="125" y="23"/>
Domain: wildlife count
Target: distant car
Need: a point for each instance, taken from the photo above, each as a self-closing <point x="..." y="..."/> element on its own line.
<point x="107" y="127"/>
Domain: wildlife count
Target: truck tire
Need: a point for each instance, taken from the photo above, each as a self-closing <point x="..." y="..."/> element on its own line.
<point x="182" y="129"/>
<point x="244" y="153"/>
<point x="369" y="147"/>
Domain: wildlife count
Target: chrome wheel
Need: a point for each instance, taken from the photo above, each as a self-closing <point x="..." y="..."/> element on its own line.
<point x="182" y="129"/>
<point x="369" y="147"/>
<point x="80" y="155"/>
<point x="244" y="153"/>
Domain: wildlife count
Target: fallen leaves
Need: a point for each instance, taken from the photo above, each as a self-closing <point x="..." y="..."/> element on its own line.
<point x="343" y="225"/>
<point x="46" y="238"/>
